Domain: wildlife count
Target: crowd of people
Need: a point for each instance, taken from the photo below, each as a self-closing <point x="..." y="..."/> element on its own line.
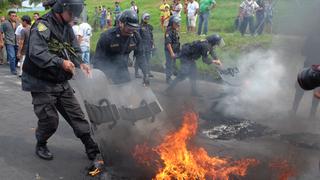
<point x="249" y="9"/>
<point x="192" y="9"/>
<point x="14" y="35"/>
<point x="106" y="17"/>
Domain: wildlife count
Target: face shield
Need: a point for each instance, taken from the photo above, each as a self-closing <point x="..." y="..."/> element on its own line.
<point x="222" y="43"/>
<point x="146" y="19"/>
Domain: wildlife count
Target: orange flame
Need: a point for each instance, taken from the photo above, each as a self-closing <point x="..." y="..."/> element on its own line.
<point x="285" y="171"/>
<point x="195" y="164"/>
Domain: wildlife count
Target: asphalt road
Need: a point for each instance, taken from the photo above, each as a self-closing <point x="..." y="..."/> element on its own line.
<point x="17" y="142"/>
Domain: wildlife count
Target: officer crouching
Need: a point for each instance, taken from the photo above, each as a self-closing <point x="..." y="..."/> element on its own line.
<point x="52" y="55"/>
<point x="190" y="52"/>
<point x="114" y="47"/>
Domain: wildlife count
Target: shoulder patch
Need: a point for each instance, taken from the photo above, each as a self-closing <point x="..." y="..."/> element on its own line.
<point x="167" y="35"/>
<point x="203" y="40"/>
<point x="41" y="27"/>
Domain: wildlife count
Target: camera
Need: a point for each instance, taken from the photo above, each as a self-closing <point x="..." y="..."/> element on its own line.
<point x="309" y="78"/>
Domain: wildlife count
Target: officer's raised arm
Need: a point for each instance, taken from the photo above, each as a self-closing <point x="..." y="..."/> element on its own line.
<point x="215" y="40"/>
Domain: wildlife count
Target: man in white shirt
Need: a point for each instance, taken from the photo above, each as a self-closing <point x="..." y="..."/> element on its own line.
<point x="18" y="36"/>
<point x="75" y="27"/>
<point x="192" y="11"/>
<point x="134" y="7"/>
<point x="177" y="8"/>
<point x="84" y="34"/>
<point x="246" y="13"/>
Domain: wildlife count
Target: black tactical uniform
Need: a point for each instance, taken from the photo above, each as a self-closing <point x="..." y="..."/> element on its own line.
<point x="113" y="49"/>
<point x="171" y="37"/>
<point x="190" y="52"/>
<point x="44" y="77"/>
<point x="147" y="42"/>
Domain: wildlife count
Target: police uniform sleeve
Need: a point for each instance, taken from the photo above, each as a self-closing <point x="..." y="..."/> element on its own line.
<point x="38" y="47"/>
<point x="205" y="52"/>
<point x="214" y="54"/>
<point x="167" y="38"/>
<point x="100" y="54"/>
<point x="151" y="32"/>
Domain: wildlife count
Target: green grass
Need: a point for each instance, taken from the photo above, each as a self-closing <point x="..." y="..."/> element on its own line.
<point x="221" y="21"/>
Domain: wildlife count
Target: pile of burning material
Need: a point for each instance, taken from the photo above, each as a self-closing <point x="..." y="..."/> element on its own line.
<point x="176" y="158"/>
<point x="235" y="129"/>
<point x="225" y="127"/>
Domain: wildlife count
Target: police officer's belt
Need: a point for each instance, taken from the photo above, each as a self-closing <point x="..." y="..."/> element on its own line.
<point x="106" y="112"/>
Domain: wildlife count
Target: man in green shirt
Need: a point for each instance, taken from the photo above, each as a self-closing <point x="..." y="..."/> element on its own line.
<point x="205" y="7"/>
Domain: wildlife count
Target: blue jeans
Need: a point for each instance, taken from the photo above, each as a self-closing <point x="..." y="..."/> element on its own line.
<point x="203" y="19"/>
<point x="85" y="54"/>
<point x="247" y="20"/>
<point x="12" y="57"/>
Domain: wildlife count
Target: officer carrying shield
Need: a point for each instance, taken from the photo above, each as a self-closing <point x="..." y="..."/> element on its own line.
<point x="190" y="52"/>
<point x="172" y="46"/>
<point x="114" y="47"/>
<point x="53" y="53"/>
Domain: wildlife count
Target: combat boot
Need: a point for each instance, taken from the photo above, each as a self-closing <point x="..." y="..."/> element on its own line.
<point x="91" y="147"/>
<point x="43" y="152"/>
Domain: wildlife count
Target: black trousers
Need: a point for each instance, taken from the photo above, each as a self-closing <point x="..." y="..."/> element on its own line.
<point x="188" y="68"/>
<point x="46" y="108"/>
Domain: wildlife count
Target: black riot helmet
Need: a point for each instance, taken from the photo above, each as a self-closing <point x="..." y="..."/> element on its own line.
<point x="130" y="19"/>
<point x="174" y="19"/>
<point x="59" y="6"/>
<point x="215" y="40"/>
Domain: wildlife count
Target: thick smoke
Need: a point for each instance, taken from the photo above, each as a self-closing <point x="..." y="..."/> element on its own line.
<point x="268" y="78"/>
<point x="260" y="88"/>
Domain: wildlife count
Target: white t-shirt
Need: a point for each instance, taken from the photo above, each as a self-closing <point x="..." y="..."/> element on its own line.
<point x="18" y="30"/>
<point x="76" y="30"/>
<point x="85" y="31"/>
<point x="192" y="8"/>
<point x="249" y="7"/>
<point x="177" y="10"/>
<point x="134" y="8"/>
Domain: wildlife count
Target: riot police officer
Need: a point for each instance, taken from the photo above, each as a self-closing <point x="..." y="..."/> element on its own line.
<point x="172" y="46"/>
<point x="50" y="62"/>
<point x="190" y="52"/>
<point x="147" y="43"/>
<point x="114" y="47"/>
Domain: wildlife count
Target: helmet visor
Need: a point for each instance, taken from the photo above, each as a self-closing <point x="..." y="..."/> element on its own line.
<point x="74" y="8"/>
<point x="132" y="26"/>
<point x="222" y="43"/>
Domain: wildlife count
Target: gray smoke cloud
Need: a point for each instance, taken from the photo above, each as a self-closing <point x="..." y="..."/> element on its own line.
<point x="260" y="88"/>
<point x="268" y="77"/>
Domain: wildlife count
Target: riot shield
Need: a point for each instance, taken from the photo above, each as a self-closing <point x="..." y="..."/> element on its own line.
<point x="114" y="112"/>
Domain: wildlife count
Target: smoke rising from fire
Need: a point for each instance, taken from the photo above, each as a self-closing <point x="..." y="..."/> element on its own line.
<point x="269" y="77"/>
<point x="261" y="86"/>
